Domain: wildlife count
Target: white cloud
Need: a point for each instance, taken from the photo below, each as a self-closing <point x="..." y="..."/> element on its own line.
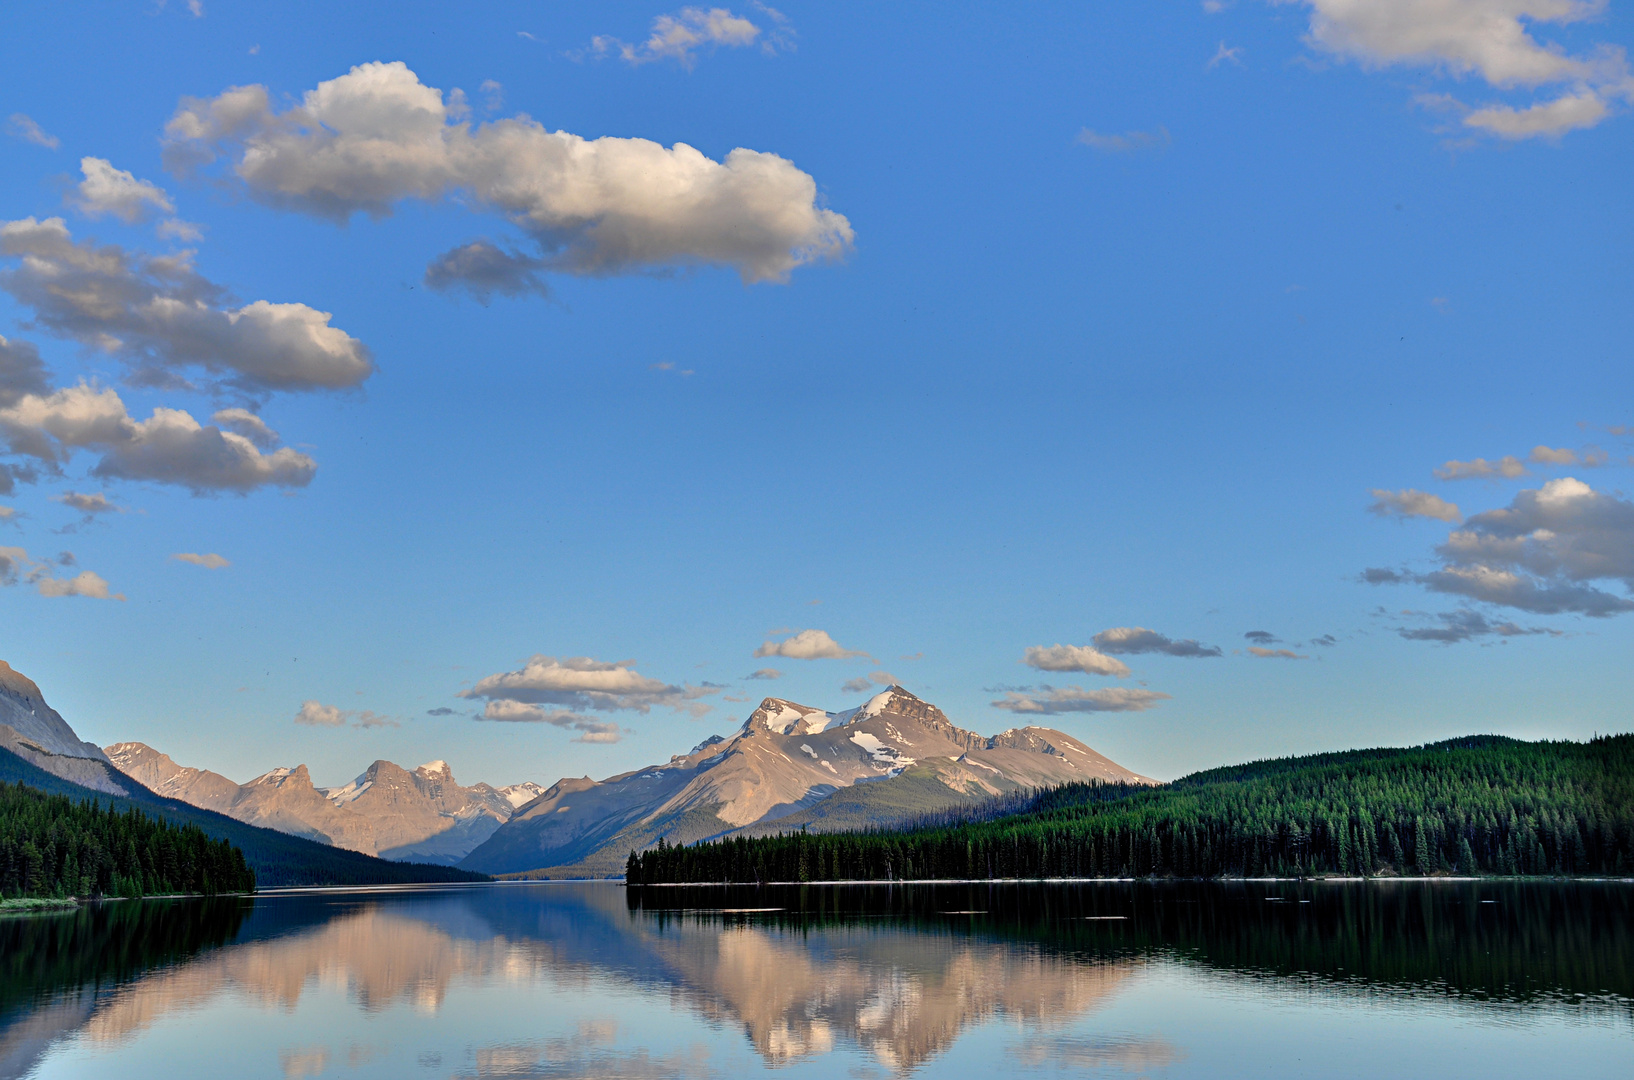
<point x="516" y="712"/>
<point x="1050" y="701"/>
<point x="1508" y="468"/>
<point x="1130" y="640"/>
<point x="85" y="583"/>
<point x="765" y="673"/>
<point x="1128" y="142"/>
<point x="87" y="502"/>
<point x="247" y="424"/>
<point x="1571" y="112"/>
<point x="1074" y="658"/>
<point x="316" y="714"/>
<point x="1589" y="458"/>
<point x="176" y="229"/>
<point x="14" y="561"/>
<point x="161" y="316"/>
<point x="21" y="126"/>
<point x="1413" y="504"/>
<point x="110" y="192"/>
<point x="1466" y="625"/>
<point x="808" y="645"/>
<point x="1224" y="54"/>
<point x="679" y="37"/>
<point x="21" y="371"/>
<point x="211" y="561"/>
<point x="377" y="136"/>
<point x="483" y="269"/>
<point x="1274" y="654"/>
<point x="868" y="682"/>
<point x="579" y="682"/>
<point x="1491" y="39"/>
<point x="1542" y="553"/>
<point x="170" y="447"/>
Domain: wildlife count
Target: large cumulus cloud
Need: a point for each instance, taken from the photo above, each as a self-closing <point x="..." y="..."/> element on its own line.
<point x="1550" y="551"/>
<point x="377" y="136"/>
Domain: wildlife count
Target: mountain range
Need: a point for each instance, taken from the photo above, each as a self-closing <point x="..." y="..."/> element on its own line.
<point x="389" y="811"/>
<point x="789" y="766"/>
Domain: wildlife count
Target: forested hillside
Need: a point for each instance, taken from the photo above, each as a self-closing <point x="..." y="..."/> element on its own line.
<point x="276" y="858"/>
<point x="53" y="846"/>
<point x="1480" y="805"/>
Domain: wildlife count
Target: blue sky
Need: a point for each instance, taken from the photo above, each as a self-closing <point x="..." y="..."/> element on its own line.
<point x="1043" y="322"/>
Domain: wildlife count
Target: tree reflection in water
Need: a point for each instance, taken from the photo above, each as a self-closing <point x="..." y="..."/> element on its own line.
<point x="898" y="973"/>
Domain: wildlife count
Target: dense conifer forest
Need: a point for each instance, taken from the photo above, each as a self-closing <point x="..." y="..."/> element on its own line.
<point x="53" y="846"/>
<point x="1479" y="805"/>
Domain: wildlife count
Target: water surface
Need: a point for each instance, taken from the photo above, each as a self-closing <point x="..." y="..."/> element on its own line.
<point x="591" y="980"/>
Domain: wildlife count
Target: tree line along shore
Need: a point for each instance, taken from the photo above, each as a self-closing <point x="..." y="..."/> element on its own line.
<point x="1484" y="805"/>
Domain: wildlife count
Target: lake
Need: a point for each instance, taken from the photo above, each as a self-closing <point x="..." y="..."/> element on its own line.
<point x="562" y="980"/>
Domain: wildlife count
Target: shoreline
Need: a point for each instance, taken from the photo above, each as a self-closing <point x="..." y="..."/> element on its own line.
<point x="1329" y="880"/>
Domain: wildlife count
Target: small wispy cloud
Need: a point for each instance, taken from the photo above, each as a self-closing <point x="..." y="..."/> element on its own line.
<point x="1127" y="143"/>
<point x="316" y="714"/>
<point x="681" y="37"/>
<point x="1225" y="55"/>
<point x="210" y="560"/>
<point x="21" y="126"/>
<point x="1409" y="503"/>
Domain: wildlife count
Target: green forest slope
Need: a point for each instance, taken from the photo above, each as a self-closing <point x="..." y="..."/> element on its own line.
<point x="52" y="846"/>
<point x="1479" y="805"/>
<point x="277" y="858"/>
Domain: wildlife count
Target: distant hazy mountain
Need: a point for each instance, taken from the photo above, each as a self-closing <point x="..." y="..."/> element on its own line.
<point x="419" y="816"/>
<point x="790" y="765"/>
<point x="34" y="731"/>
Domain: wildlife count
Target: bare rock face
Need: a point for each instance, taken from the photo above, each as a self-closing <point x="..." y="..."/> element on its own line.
<point x="423" y="815"/>
<point x="786" y="760"/>
<point x="162" y="776"/>
<point x="286" y="800"/>
<point x="35" y="732"/>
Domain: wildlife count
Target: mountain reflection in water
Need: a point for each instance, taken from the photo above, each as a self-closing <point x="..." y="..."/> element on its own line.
<point x="563" y="980"/>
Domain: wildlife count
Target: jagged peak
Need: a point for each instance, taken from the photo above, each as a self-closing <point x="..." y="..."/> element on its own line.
<point x="783" y="717"/>
<point x="434" y="767"/>
<point x="281" y="775"/>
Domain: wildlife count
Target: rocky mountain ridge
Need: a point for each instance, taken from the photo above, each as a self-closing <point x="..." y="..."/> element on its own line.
<point x="783" y="765"/>
<point x="423" y="815"/>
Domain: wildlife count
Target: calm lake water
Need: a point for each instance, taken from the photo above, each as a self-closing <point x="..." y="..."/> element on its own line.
<point x="569" y="980"/>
